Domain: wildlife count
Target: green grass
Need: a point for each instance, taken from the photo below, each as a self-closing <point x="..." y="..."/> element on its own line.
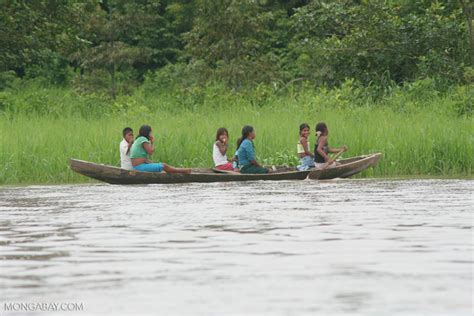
<point x="419" y="136"/>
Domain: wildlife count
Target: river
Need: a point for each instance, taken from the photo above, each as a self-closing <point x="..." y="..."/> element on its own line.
<point x="356" y="247"/>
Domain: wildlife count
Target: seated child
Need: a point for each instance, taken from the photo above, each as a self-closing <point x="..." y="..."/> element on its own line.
<point x="246" y="153"/>
<point x="141" y="151"/>
<point x="306" y="157"/>
<point x="219" y="150"/>
<point x="125" y="145"/>
<point x="322" y="149"/>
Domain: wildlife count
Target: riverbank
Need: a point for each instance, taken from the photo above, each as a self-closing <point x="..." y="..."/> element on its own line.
<point x="419" y="135"/>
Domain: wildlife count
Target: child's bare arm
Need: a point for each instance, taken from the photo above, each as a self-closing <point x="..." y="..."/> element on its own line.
<point x="222" y="147"/>
<point x="304" y="143"/>
<point x="148" y="148"/>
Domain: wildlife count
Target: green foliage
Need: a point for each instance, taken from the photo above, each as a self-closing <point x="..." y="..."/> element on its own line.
<point x="391" y="76"/>
<point x="112" y="27"/>
<point x="464" y="101"/>
<point x="52" y="68"/>
<point x="377" y="42"/>
<point x="116" y="43"/>
<point x="36" y="34"/>
<point x="419" y="131"/>
<point x="7" y="79"/>
<point x="235" y="41"/>
<point x="32" y="99"/>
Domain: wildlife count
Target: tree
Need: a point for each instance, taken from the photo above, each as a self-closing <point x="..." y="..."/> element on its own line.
<point x="235" y="40"/>
<point x="468" y="11"/>
<point x="376" y="42"/>
<point x="111" y="31"/>
<point x="37" y="34"/>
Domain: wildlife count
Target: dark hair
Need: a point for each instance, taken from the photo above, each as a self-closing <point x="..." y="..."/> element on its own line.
<point x="303" y="126"/>
<point x="126" y="130"/>
<point x="145" y="131"/>
<point x="221" y="131"/>
<point x="246" y="130"/>
<point x="321" y="127"/>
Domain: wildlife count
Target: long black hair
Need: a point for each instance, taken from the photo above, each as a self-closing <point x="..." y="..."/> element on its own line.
<point x="220" y="132"/>
<point x="321" y="127"/>
<point x="246" y="131"/>
<point x="303" y="126"/>
<point x="145" y="131"/>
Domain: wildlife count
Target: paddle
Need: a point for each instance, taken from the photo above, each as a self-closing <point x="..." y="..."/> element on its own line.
<point x="334" y="158"/>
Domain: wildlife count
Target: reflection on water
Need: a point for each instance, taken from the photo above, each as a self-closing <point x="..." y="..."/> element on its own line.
<point x="367" y="247"/>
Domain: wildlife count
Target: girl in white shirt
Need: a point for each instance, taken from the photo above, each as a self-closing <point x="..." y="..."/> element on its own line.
<point x="219" y="150"/>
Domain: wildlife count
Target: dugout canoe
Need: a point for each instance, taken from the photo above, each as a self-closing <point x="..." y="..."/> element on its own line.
<point x="115" y="175"/>
<point x="348" y="167"/>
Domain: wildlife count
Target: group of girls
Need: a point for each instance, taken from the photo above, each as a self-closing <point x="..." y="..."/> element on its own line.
<point x="319" y="159"/>
<point x="244" y="160"/>
<point x="135" y="153"/>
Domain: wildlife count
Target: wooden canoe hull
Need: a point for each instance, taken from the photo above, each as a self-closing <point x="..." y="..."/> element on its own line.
<point x="115" y="175"/>
<point x="348" y="167"/>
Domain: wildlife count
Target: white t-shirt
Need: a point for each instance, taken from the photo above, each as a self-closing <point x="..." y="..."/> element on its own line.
<point x="125" y="161"/>
<point x="219" y="158"/>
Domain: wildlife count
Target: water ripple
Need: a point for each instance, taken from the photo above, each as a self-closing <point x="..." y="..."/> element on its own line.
<point x="367" y="247"/>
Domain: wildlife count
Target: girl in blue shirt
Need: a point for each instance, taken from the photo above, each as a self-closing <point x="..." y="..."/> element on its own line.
<point x="246" y="152"/>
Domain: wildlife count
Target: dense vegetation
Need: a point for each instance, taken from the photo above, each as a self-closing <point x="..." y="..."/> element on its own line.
<point x="114" y="44"/>
<point x="420" y="131"/>
<point x="388" y="75"/>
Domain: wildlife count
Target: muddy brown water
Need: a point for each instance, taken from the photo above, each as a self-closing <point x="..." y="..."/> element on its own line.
<point x="357" y="247"/>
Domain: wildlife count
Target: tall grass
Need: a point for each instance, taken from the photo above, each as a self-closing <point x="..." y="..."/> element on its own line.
<point x="418" y="134"/>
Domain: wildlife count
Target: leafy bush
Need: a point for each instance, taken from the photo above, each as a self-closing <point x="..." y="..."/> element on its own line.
<point x="464" y="100"/>
<point x="7" y="79"/>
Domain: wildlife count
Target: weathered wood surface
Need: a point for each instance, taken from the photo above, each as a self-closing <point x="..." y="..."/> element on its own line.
<point x="348" y="167"/>
<point x="115" y="175"/>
